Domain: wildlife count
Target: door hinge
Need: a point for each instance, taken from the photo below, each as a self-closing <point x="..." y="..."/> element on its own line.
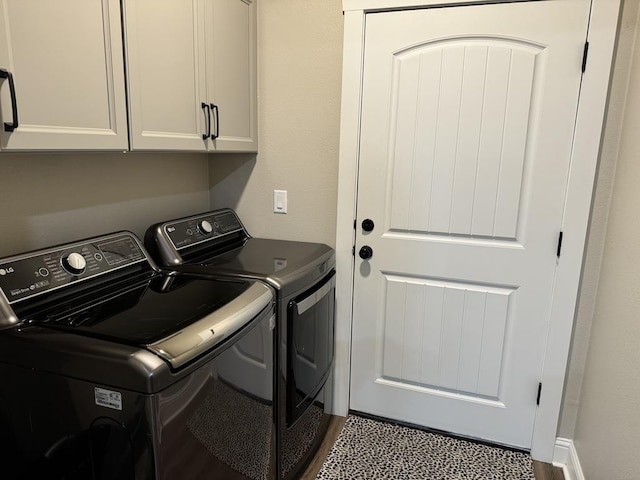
<point x="585" y="52"/>
<point x="355" y="221"/>
<point x="539" y="393"/>
<point x="559" y="245"/>
<point x="353" y="251"/>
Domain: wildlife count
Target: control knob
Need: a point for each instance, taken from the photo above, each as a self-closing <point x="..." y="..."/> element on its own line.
<point x="74" y="263"/>
<point x="205" y="227"/>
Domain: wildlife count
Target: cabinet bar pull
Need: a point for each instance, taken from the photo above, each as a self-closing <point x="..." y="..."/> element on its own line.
<point x="207" y="115"/>
<point x="10" y="127"/>
<point x="217" y="118"/>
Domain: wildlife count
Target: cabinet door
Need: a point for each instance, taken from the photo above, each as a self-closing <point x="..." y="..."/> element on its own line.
<point x="66" y="61"/>
<point x="231" y="73"/>
<point x="166" y="74"/>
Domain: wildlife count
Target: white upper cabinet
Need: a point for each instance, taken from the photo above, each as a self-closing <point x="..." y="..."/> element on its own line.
<point x="231" y="73"/>
<point x="64" y="61"/>
<point x="166" y="76"/>
<point x="192" y="74"/>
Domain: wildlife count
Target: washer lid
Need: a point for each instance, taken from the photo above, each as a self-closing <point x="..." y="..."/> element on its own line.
<point x="176" y="317"/>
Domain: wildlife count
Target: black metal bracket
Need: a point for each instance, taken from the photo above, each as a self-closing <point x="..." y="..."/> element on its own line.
<point x="584" y="56"/>
<point x="559" y="245"/>
<point x="539" y="393"/>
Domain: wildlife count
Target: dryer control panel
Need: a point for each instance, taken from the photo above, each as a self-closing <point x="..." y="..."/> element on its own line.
<point x="35" y="273"/>
<point x="210" y="226"/>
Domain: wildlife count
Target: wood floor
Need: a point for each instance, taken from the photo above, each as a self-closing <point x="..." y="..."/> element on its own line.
<point x="543" y="471"/>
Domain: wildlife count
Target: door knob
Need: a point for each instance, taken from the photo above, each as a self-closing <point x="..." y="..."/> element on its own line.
<point x="366" y="252"/>
<point x="367" y="225"/>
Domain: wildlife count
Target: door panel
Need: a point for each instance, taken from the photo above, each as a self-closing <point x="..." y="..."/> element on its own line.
<point x="68" y="74"/>
<point x="466" y="132"/>
<point x="481" y="93"/>
<point x="444" y="335"/>
<point x="232" y="73"/>
<point x="166" y="70"/>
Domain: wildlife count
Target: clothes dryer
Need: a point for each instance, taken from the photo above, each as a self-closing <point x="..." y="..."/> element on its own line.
<point x="303" y="277"/>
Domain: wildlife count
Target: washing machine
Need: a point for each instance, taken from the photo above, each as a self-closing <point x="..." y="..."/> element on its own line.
<point x="303" y="277"/>
<point x="112" y="370"/>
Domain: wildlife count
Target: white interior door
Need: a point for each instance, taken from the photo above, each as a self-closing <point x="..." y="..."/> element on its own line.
<point x="466" y="133"/>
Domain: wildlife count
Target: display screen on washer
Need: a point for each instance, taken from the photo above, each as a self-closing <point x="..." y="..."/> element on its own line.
<point x="119" y="251"/>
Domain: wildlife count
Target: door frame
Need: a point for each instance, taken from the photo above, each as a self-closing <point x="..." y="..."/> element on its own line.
<point x="603" y="25"/>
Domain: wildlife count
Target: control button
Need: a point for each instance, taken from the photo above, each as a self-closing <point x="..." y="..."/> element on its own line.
<point x="205" y="227"/>
<point x="43" y="272"/>
<point x="98" y="257"/>
<point x="3" y="271"/>
<point x="189" y="231"/>
<point x="74" y="263"/>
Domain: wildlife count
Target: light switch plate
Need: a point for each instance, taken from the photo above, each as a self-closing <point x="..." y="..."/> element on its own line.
<point x="279" y="201"/>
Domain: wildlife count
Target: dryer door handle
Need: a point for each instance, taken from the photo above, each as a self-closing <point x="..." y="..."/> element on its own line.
<point x="316" y="296"/>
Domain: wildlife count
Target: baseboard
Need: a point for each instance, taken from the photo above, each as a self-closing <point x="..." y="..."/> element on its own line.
<point x="565" y="456"/>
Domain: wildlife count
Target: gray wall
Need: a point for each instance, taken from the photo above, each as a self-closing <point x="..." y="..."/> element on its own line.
<point x="299" y="84"/>
<point x="47" y="199"/>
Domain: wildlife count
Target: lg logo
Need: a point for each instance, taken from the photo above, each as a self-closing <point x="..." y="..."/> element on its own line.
<point x="6" y="271"/>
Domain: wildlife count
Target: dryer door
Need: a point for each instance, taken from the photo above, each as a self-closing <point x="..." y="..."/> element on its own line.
<point x="310" y="326"/>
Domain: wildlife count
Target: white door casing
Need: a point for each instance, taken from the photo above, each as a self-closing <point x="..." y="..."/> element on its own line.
<point x="493" y="290"/>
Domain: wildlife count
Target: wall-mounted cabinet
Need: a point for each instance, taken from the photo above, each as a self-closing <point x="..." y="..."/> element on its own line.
<point x="65" y="62"/>
<point x="192" y="74"/>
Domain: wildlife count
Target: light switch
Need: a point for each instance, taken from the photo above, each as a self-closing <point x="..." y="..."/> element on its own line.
<point x="279" y="201"/>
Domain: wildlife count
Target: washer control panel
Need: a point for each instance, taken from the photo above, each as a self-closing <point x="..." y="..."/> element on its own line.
<point x="28" y="275"/>
<point x="202" y="228"/>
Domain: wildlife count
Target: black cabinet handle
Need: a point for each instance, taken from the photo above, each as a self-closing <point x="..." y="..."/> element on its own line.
<point x="207" y="117"/>
<point x="217" y="120"/>
<point x="366" y="252"/>
<point x="10" y="127"/>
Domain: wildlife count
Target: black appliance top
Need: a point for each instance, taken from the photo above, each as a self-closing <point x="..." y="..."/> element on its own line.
<point x="112" y="297"/>
<point x="217" y="243"/>
<point x="137" y="311"/>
